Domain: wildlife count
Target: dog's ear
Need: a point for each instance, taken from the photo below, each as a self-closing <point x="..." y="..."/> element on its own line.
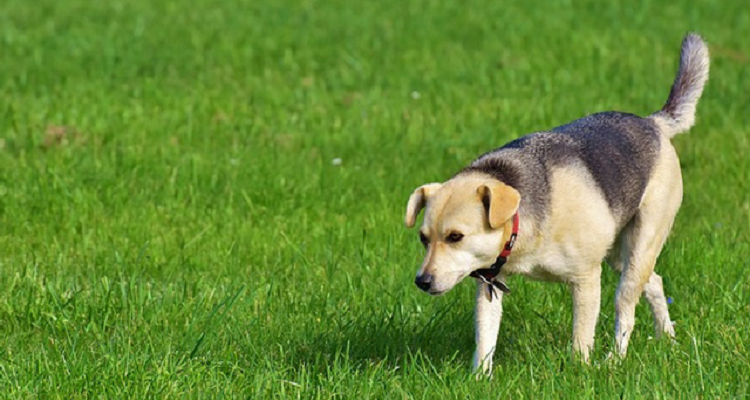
<point x="501" y="202"/>
<point x="417" y="202"/>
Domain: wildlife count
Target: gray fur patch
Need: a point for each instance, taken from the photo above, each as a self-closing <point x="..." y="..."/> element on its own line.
<point x="618" y="149"/>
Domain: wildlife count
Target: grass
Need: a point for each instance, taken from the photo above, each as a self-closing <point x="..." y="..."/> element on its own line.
<point x="172" y="224"/>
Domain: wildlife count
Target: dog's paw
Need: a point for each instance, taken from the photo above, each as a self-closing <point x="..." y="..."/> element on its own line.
<point x="482" y="369"/>
<point x="483" y="375"/>
<point x="613" y="359"/>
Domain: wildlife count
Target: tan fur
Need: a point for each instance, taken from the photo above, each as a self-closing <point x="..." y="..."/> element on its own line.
<point x="574" y="235"/>
<point x="503" y="202"/>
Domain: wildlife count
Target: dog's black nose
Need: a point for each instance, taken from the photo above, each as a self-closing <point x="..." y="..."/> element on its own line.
<point x="423" y="281"/>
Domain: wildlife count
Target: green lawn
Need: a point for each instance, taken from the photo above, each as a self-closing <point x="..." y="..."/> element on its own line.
<point x="172" y="222"/>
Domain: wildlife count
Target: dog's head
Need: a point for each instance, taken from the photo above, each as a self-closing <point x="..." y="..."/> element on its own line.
<point x="463" y="227"/>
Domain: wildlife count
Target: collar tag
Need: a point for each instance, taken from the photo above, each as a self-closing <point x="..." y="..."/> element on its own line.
<point x="492" y="284"/>
<point x="488" y="275"/>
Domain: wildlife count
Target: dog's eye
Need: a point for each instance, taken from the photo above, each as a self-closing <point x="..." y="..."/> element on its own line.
<point x="454" y="237"/>
<point x="423" y="239"/>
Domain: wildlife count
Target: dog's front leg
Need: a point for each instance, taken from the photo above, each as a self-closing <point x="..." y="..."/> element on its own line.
<point x="488" y="313"/>
<point x="586" y="304"/>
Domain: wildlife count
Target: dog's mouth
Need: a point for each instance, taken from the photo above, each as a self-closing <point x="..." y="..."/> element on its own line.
<point x="436" y="292"/>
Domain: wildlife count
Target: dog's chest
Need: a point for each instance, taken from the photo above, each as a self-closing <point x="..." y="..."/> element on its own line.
<point x="549" y="264"/>
<point x="579" y="230"/>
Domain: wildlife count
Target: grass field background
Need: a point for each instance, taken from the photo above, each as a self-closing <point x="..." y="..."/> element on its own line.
<point x="172" y="222"/>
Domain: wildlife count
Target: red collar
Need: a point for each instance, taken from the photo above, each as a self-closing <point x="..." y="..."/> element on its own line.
<point x="487" y="275"/>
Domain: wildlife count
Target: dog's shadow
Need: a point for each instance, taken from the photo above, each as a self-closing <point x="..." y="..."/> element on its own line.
<point x="388" y="335"/>
<point x="391" y="336"/>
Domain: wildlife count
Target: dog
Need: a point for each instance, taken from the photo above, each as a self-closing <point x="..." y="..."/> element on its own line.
<point x="553" y="205"/>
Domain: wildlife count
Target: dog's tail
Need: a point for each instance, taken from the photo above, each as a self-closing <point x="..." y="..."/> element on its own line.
<point x="679" y="111"/>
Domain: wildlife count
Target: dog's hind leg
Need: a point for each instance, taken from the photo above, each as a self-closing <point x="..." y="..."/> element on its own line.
<point x="638" y="266"/>
<point x="642" y="242"/>
<point x="653" y="291"/>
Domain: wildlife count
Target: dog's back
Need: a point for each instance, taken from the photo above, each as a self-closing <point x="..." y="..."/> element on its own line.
<point x="618" y="150"/>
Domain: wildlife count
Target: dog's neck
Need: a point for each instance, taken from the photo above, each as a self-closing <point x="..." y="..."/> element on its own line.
<point x="503" y="170"/>
<point x="526" y="236"/>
